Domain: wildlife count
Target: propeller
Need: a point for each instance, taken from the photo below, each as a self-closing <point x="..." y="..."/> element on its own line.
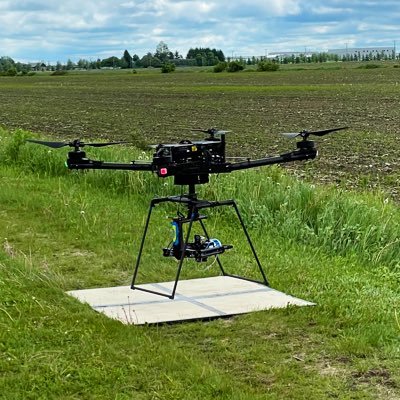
<point x="211" y="131"/>
<point x="305" y="134"/>
<point x="76" y="144"/>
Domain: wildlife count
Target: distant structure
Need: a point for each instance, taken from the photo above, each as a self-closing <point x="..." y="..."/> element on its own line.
<point x="362" y="52"/>
<point x="283" y="54"/>
<point x="38" y="66"/>
<point x="347" y="53"/>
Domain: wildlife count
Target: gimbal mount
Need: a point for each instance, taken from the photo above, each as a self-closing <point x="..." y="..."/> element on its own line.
<point x="202" y="247"/>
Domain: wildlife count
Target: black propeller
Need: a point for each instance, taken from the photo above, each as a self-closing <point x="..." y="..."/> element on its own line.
<point x="305" y="134"/>
<point x="76" y="144"/>
<point x="211" y="131"/>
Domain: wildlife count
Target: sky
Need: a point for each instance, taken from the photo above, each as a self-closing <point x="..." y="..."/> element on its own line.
<point x="51" y="31"/>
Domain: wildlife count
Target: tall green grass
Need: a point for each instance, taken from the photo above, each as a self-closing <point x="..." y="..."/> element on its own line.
<point x="341" y="222"/>
<point x="74" y="229"/>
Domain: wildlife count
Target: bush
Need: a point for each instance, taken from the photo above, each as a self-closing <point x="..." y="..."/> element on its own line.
<point x="220" y="67"/>
<point x="167" y="68"/>
<point x="59" y="72"/>
<point x="267" y="66"/>
<point x="369" y="66"/>
<point x="10" y="72"/>
<point x="234" y="66"/>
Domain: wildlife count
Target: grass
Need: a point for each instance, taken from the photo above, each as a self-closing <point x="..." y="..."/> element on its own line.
<point x="150" y="107"/>
<point x="61" y="230"/>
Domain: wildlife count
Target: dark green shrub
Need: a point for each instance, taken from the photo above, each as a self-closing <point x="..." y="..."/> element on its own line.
<point x="167" y="68"/>
<point x="267" y="66"/>
<point x="11" y="72"/>
<point x="369" y="66"/>
<point x="220" y="67"/>
<point x="234" y="66"/>
<point x="59" y="72"/>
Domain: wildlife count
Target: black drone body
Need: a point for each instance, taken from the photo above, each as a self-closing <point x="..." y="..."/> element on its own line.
<point x="191" y="163"/>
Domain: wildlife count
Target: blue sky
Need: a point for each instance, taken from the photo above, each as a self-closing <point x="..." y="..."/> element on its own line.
<point x="35" y="30"/>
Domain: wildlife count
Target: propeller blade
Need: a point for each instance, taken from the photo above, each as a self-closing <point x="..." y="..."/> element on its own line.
<point x="290" y="135"/>
<point x="102" y="144"/>
<point x="199" y="130"/>
<point x="210" y="131"/>
<point x="326" y="131"/>
<point x="221" y="132"/>
<point x="54" y="145"/>
<point x="304" y="134"/>
<point x="75" y="143"/>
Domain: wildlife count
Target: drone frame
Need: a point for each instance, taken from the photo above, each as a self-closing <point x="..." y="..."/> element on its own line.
<point x="192" y="173"/>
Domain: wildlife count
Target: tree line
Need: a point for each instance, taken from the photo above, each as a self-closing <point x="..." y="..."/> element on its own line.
<point x="167" y="60"/>
<point x="198" y="56"/>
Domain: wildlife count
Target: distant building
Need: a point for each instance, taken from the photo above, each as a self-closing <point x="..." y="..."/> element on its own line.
<point x="40" y="66"/>
<point x="362" y="52"/>
<point x="348" y="53"/>
<point x="283" y="54"/>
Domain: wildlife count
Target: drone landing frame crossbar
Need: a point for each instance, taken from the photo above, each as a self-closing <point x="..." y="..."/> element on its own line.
<point x="194" y="205"/>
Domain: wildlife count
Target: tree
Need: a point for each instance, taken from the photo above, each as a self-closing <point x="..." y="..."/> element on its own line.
<point x="126" y="60"/>
<point x="135" y="59"/>
<point x="123" y="64"/>
<point x="163" y="53"/>
<point x="211" y="58"/>
<point x="199" y="60"/>
<point x="111" y="62"/>
<point x="205" y="56"/>
<point x="70" y="65"/>
<point x="83" y="64"/>
<point x="149" y="61"/>
<point x="6" y="63"/>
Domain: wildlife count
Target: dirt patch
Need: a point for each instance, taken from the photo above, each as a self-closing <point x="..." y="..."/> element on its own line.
<point x="380" y="376"/>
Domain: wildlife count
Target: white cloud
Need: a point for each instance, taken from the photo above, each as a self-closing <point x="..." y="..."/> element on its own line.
<point x="330" y="10"/>
<point x="61" y="30"/>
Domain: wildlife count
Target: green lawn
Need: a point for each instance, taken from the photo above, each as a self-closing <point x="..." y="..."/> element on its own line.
<point x="61" y="231"/>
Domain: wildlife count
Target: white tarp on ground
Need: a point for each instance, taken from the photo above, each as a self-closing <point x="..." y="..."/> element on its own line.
<point x="194" y="299"/>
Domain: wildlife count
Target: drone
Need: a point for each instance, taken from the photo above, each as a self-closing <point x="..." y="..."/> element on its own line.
<point x="190" y="163"/>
